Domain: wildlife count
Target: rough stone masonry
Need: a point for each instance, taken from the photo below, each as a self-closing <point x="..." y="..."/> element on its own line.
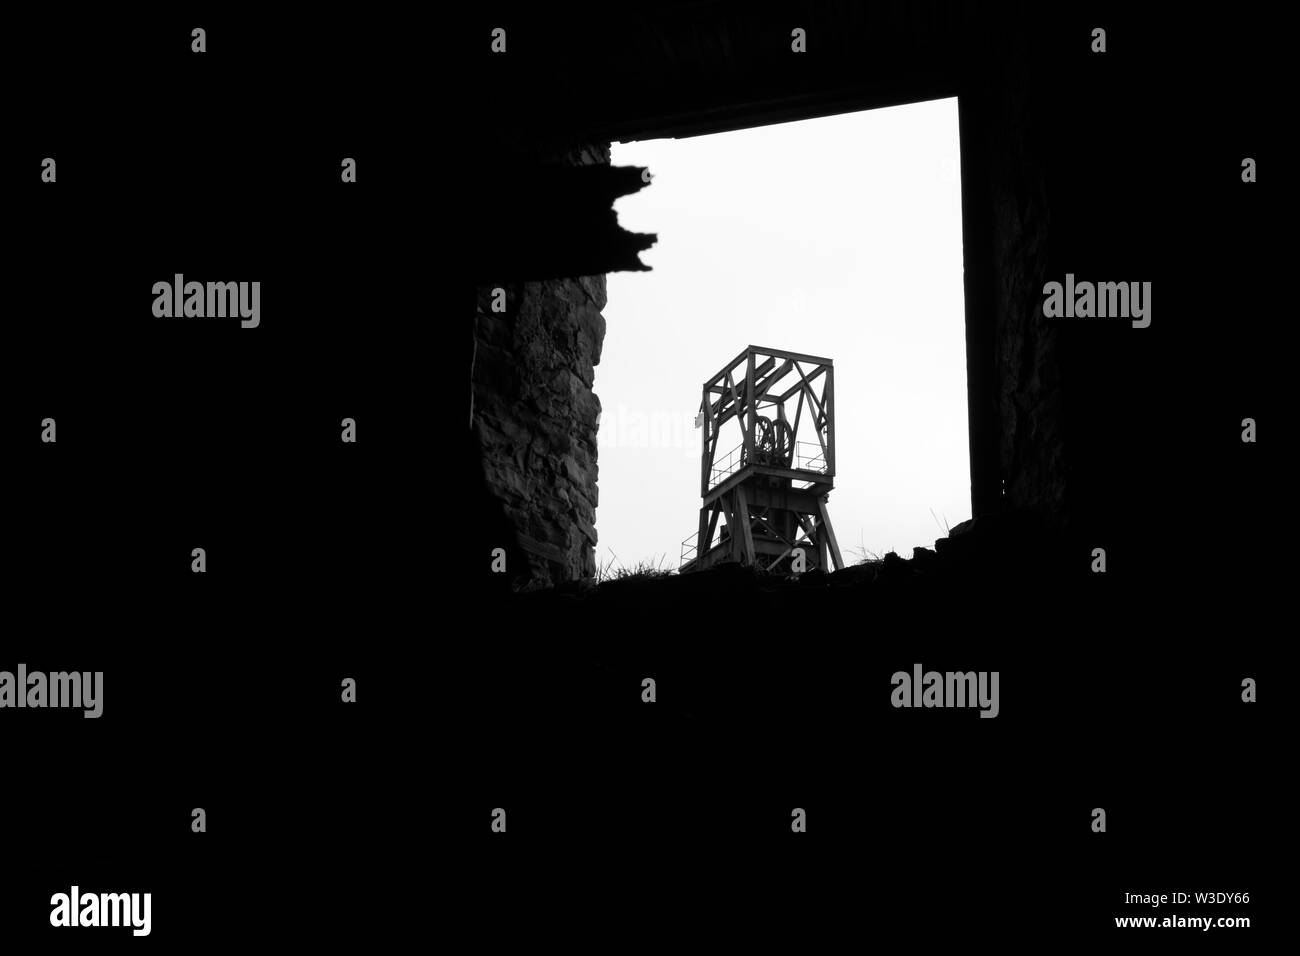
<point x="536" y="414"/>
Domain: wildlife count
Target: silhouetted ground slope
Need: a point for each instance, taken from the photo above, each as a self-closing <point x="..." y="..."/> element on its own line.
<point x="774" y="693"/>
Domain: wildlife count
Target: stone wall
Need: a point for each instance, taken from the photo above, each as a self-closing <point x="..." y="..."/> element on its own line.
<point x="1025" y="347"/>
<point x="536" y="415"/>
<point x="1029" y="397"/>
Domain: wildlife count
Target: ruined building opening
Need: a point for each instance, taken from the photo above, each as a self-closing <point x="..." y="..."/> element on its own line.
<point x="836" y="237"/>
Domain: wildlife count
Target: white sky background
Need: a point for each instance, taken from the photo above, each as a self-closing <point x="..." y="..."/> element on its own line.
<point x="838" y="237"/>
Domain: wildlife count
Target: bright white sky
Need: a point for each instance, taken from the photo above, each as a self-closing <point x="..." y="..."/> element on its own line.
<point x="838" y="237"/>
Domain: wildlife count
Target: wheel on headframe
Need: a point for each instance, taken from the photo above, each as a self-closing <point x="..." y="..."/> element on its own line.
<point x="773" y="444"/>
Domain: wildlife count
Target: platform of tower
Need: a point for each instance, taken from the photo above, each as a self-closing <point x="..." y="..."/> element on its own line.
<point x="767" y="464"/>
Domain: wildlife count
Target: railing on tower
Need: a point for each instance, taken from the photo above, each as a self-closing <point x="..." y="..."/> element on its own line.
<point x="689" y="548"/>
<point x="808" y="456"/>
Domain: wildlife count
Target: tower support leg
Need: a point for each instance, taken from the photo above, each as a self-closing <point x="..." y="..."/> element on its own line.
<point x="746" y="532"/>
<point x="827" y="533"/>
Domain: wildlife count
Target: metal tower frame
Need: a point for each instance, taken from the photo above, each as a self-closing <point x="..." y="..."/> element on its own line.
<point x="771" y="489"/>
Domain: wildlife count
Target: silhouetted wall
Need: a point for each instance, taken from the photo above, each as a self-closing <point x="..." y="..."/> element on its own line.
<point x="1014" y="386"/>
<point x="536" y="415"/>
